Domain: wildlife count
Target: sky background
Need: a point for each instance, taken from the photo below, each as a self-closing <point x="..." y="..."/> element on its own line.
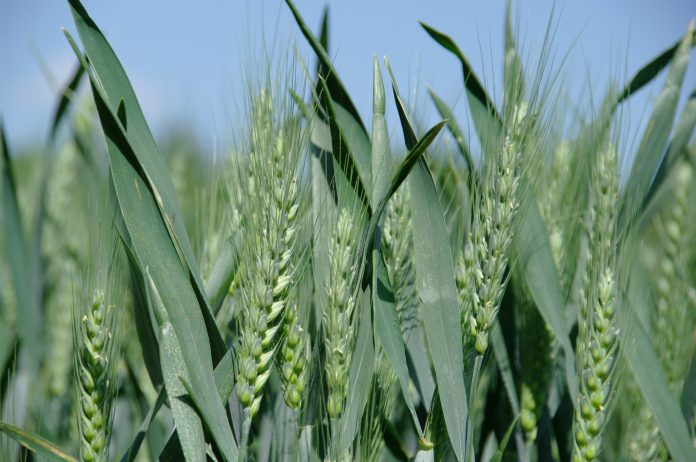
<point x="187" y="60"/>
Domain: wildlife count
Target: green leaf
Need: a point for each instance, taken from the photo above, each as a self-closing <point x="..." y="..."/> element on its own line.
<point x="17" y="251"/>
<point x="132" y="451"/>
<point x="356" y="141"/>
<point x="648" y="72"/>
<point x="342" y="154"/>
<point x="323" y="40"/>
<point x="188" y="423"/>
<point x="359" y="378"/>
<point x="538" y="269"/>
<point x="652" y="145"/>
<point x="414" y="154"/>
<point x="388" y="332"/>
<point x="155" y="252"/>
<point x="677" y="148"/>
<point x="66" y="97"/>
<point x="381" y="150"/>
<point x="7" y="345"/>
<point x="419" y="365"/>
<point x="688" y="394"/>
<point x="109" y="77"/>
<point x="438" y="294"/>
<point x="35" y="443"/>
<point x="437" y="291"/>
<point x="504" y="368"/>
<point x="487" y="121"/>
<point x="446" y="113"/>
<point x="336" y="88"/>
<point x="225" y="374"/>
<point x="141" y="313"/>
<point x="498" y="456"/>
<point x="653" y="384"/>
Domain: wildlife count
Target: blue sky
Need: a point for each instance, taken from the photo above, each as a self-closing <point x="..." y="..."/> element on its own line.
<point x="187" y="60"/>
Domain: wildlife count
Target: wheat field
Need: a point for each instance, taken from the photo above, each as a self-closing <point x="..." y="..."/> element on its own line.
<point x="524" y="290"/>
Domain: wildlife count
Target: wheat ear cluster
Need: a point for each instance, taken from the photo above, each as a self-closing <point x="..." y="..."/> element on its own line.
<point x="493" y="231"/>
<point x="672" y="318"/>
<point x="598" y="335"/>
<point x="538" y="360"/>
<point x="269" y="272"/>
<point x="398" y="256"/>
<point x="337" y="315"/>
<point x="95" y="371"/>
<point x="552" y="204"/>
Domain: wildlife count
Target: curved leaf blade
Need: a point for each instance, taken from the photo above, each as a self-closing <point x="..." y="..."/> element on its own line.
<point x="388" y="332"/>
<point x="35" y="443"/>
<point x="440" y="309"/>
<point x="652" y="145"/>
<point x="109" y="77"/>
<point x="338" y="91"/>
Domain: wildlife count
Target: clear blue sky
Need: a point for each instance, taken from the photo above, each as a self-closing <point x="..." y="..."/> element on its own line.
<point x="186" y="59"/>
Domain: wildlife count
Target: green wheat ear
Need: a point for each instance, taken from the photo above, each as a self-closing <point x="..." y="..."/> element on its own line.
<point x="95" y="371"/>
<point x="397" y="241"/>
<point x="674" y="315"/>
<point x="268" y="278"/>
<point x="493" y="230"/>
<point x="337" y="315"/>
<point x="597" y="342"/>
<point x="537" y="357"/>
